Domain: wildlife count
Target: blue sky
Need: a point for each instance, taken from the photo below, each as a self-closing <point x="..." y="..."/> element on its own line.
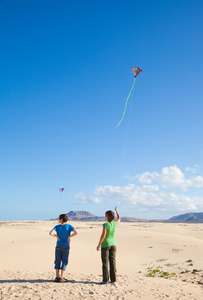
<point x="65" y="74"/>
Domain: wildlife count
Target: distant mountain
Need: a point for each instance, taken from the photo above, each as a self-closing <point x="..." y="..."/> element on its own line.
<point x="83" y="216"/>
<point x="188" y="217"/>
<point x="86" y="216"/>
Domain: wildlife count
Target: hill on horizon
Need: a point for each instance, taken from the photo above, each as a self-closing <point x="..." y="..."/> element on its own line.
<point x="188" y="217"/>
<point x="184" y="218"/>
<point x="83" y="215"/>
<point x="86" y="216"/>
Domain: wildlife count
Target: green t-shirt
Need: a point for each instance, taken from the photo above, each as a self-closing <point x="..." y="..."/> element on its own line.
<point x="110" y="234"/>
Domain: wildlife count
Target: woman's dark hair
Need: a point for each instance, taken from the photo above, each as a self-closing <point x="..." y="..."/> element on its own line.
<point x="64" y="218"/>
<point x="110" y="215"/>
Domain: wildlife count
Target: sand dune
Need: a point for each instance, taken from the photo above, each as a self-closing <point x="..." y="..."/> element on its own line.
<point x="154" y="261"/>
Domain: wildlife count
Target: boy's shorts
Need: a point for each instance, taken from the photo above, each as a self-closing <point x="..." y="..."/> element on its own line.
<point x="61" y="256"/>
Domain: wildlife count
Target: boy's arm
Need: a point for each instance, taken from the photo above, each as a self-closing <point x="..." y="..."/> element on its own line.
<point x="54" y="234"/>
<point x="118" y="216"/>
<point x="102" y="237"/>
<point x="72" y="235"/>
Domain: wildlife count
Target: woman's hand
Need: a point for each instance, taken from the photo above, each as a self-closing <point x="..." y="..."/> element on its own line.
<point x="98" y="247"/>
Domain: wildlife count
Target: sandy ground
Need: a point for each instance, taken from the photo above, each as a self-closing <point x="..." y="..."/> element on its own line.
<point x="154" y="261"/>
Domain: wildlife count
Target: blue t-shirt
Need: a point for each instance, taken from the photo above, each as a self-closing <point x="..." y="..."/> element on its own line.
<point x="63" y="231"/>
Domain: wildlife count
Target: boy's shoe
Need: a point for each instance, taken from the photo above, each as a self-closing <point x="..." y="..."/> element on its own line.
<point x="57" y="279"/>
<point x="103" y="282"/>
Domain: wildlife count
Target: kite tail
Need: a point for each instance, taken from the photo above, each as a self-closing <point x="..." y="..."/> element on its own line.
<point x="126" y="104"/>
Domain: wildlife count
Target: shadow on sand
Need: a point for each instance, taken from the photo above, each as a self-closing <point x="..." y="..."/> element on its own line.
<point x="45" y="280"/>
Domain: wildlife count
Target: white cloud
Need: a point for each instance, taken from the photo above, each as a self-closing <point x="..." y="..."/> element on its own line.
<point x="129" y="193"/>
<point x="143" y="196"/>
<point x="193" y="170"/>
<point x="197" y="182"/>
<point x="86" y="199"/>
<point x="150" y="188"/>
<point x="182" y="202"/>
<point x="129" y="177"/>
<point x="147" y="178"/>
<point x="154" y="191"/>
<point x="170" y="177"/>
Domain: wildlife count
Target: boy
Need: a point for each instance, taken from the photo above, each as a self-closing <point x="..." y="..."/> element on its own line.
<point x="63" y="235"/>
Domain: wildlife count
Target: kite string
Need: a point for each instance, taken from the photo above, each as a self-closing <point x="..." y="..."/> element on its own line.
<point x="125" y="144"/>
<point x="126" y="103"/>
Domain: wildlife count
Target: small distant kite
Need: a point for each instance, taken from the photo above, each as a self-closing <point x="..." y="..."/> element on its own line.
<point x="136" y="71"/>
<point x="61" y="190"/>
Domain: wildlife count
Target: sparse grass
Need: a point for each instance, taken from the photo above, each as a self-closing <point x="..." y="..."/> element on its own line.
<point x="188" y="276"/>
<point x="151" y="275"/>
<point x="190" y="262"/>
<point x="160" y="273"/>
<point x="186" y="271"/>
<point x="156" y="271"/>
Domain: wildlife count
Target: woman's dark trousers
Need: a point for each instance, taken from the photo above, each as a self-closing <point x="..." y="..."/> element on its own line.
<point x="108" y="256"/>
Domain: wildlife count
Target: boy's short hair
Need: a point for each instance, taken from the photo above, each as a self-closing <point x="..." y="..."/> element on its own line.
<point x="110" y="215"/>
<point x="63" y="217"/>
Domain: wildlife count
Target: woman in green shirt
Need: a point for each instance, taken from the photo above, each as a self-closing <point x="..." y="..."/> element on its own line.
<point x="108" y="246"/>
